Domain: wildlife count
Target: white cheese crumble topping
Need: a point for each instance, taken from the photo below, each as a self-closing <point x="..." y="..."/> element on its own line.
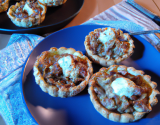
<point x="107" y="35"/>
<point x="123" y="86"/>
<point x="29" y="10"/>
<point x="66" y="63"/>
<point x="107" y="38"/>
<point x="51" y="67"/>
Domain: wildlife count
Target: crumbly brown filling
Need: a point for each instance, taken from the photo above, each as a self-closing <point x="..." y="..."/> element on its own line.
<point x="20" y="13"/>
<point x="54" y="76"/>
<point x="139" y="101"/>
<point x="120" y="47"/>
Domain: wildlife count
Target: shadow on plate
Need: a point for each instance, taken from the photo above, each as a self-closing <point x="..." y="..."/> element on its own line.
<point x="138" y="50"/>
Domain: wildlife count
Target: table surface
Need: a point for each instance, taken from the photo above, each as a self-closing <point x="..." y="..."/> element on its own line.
<point x="90" y="9"/>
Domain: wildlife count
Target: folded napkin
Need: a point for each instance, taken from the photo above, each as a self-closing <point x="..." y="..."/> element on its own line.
<point x="12" y="59"/>
<point x="12" y="109"/>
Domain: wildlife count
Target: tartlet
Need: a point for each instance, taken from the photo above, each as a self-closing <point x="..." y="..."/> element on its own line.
<point x="62" y="72"/>
<point x="27" y="14"/>
<point x="122" y="94"/>
<point x="4" y="5"/>
<point x="108" y="46"/>
<point x="52" y="2"/>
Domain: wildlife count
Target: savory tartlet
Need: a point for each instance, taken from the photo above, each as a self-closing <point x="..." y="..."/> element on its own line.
<point x="122" y="94"/>
<point x="52" y="2"/>
<point x="27" y="14"/>
<point x="4" y="5"/>
<point x="108" y="46"/>
<point x="62" y="72"/>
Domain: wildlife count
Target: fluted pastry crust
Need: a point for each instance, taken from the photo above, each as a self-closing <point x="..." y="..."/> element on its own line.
<point x="4" y="6"/>
<point x="130" y="109"/>
<point x="52" y="2"/>
<point x="115" y="50"/>
<point x="29" y="20"/>
<point x="64" y="84"/>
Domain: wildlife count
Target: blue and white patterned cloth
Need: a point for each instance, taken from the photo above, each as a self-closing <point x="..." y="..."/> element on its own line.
<point x="12" y="57"/>
<point x="11" y="63"/>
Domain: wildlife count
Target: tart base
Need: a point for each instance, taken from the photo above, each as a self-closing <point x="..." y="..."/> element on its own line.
<point x="122" y="117"/>
<point x="62" y="91"/>
<point x="26" y="22"/>
<point x="103" y="60"/>
<point x="52" y="3"/>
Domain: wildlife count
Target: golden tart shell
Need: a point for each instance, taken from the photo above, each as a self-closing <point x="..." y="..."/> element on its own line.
<point x="93" y="35"/>
<point x="29" y="21"/>
<point x="62" y="91"/>
<point x="115" y="115"/>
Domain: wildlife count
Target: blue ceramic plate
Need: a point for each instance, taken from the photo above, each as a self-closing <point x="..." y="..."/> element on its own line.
<point x="78" y="110"/>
